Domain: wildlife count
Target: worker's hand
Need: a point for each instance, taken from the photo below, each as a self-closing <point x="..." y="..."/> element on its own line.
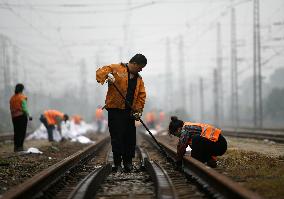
<point x="137" y="115"/>
<point x="110" y="78"/>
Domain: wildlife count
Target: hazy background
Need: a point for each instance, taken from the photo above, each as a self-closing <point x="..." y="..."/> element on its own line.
<point x="54" y="48"/>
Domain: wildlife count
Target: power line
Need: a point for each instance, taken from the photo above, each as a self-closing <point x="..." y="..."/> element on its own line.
<point x="31" y="25"/>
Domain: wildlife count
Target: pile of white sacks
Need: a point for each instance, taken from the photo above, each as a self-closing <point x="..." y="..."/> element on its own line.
<point x="70" y="130"/>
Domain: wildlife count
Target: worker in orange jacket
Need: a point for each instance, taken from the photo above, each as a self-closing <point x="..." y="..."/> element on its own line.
<point x="20" y="116"/>
<point x="206" y="141"/>
<point x="99" y="119"/>
<point x="50" y="118"/>
<point x="121" y="118"/>
<point x="151" y="119"/>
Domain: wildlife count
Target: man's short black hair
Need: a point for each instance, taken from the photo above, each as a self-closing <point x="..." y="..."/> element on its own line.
<point x="139" y="59"/>
<point x="19" y="88"/>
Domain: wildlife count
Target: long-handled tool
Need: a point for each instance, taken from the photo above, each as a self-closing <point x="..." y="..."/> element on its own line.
<point x="128" y="104"/>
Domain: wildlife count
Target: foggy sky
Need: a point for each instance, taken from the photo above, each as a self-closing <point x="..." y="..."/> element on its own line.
<point x="54" y="36"/>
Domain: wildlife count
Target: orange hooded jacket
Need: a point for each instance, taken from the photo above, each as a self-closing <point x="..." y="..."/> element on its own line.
<point x="113" y="98"/>
<point x="52" y="115"/>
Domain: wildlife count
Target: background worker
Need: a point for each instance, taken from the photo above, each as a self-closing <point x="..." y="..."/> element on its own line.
<point x="20" y="116"/>
<point x="121" y="118"/>
<point x="50" y="118"/>
<point x="99" y="119"/>
<point x="151" y="119"/>
<point x="77" y="119"/>
<point x="206" y="141"/>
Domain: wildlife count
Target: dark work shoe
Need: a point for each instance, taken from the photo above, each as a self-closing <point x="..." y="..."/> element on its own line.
<point x="116" y="169"/>
<point x="128" y="168"/>
<point x="18" y="149"/>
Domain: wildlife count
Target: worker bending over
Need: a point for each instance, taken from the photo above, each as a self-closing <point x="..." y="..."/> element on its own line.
<point x="206" y="141"/>
<point x="50" y="118"/>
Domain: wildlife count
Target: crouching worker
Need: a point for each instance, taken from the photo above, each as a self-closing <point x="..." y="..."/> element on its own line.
<point x="50" y="118"/>
<point x="206" y="141"/>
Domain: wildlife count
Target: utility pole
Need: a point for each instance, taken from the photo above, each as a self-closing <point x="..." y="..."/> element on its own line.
<point x="5" y="63"/>
<point x="234" y="73"/>
<point x="201" y="99"/>
<point x="216" y="97"/>
<point x="83" y="93"/>
<point x="257" y="80"/>
<point x="126" y="45"/>
<point x="98" y="92"/>
<point x="191" y="110"/>
<point x="2" y="67"/>
<point x="220" y="73"/>
<point x="15" y="64"/>
<point x="182" y="78"/>
<point x="168" y="78"/>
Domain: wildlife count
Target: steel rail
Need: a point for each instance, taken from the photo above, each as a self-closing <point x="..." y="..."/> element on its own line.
<point x="164" y="186"/>
<point x="9" y="136"/>
<point x="33" y="186"/>
<point x="214" y="182"/>
<point x="88" y="187"/>
<point x="276" y="136"/>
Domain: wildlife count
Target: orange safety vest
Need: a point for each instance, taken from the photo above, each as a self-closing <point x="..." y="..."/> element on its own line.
<point x="113" y="98"/>
<point x="51" y="115"/>
<point x="162" y="116"/>
<point x="150" y="117"/>
<point x="208" y="131"/>
<point x="99" y="114"/>
<point x="77" y="119"/>
<point x="16" y="104"/>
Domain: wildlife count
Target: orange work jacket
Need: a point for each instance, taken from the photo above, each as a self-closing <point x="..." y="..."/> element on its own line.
<point x="51" y="115"/>
<point x="113" y="98"/>
<point x="208" y="131"/>
<point x="16" y="104"/>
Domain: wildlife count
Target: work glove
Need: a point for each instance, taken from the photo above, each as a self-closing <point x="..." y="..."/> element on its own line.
<point x="136" y="115"/>
<point x="30" y="118"/>
<point x="110" y="78"/>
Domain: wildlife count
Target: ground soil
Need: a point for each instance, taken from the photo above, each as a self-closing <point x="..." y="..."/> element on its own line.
<point x="15" y="168"/>
<point x="257" y="165"/>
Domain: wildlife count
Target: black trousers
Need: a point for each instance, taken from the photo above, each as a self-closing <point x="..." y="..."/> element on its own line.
<point x="48" y="127"/>
<point x="123" y="135"/>
<point x="20" y="128"/>
<point x="203" y="149"/>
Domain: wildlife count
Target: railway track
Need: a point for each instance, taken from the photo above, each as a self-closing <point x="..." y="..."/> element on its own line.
<point x="274" y="135"/>
<point x="60" y="177"/>
<point x="9" y="136"/>
<point x="210" y="182"/>
<point x="87" y="174"/>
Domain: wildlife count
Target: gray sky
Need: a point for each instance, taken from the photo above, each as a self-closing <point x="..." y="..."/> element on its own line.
<point x="55" y="35"/>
